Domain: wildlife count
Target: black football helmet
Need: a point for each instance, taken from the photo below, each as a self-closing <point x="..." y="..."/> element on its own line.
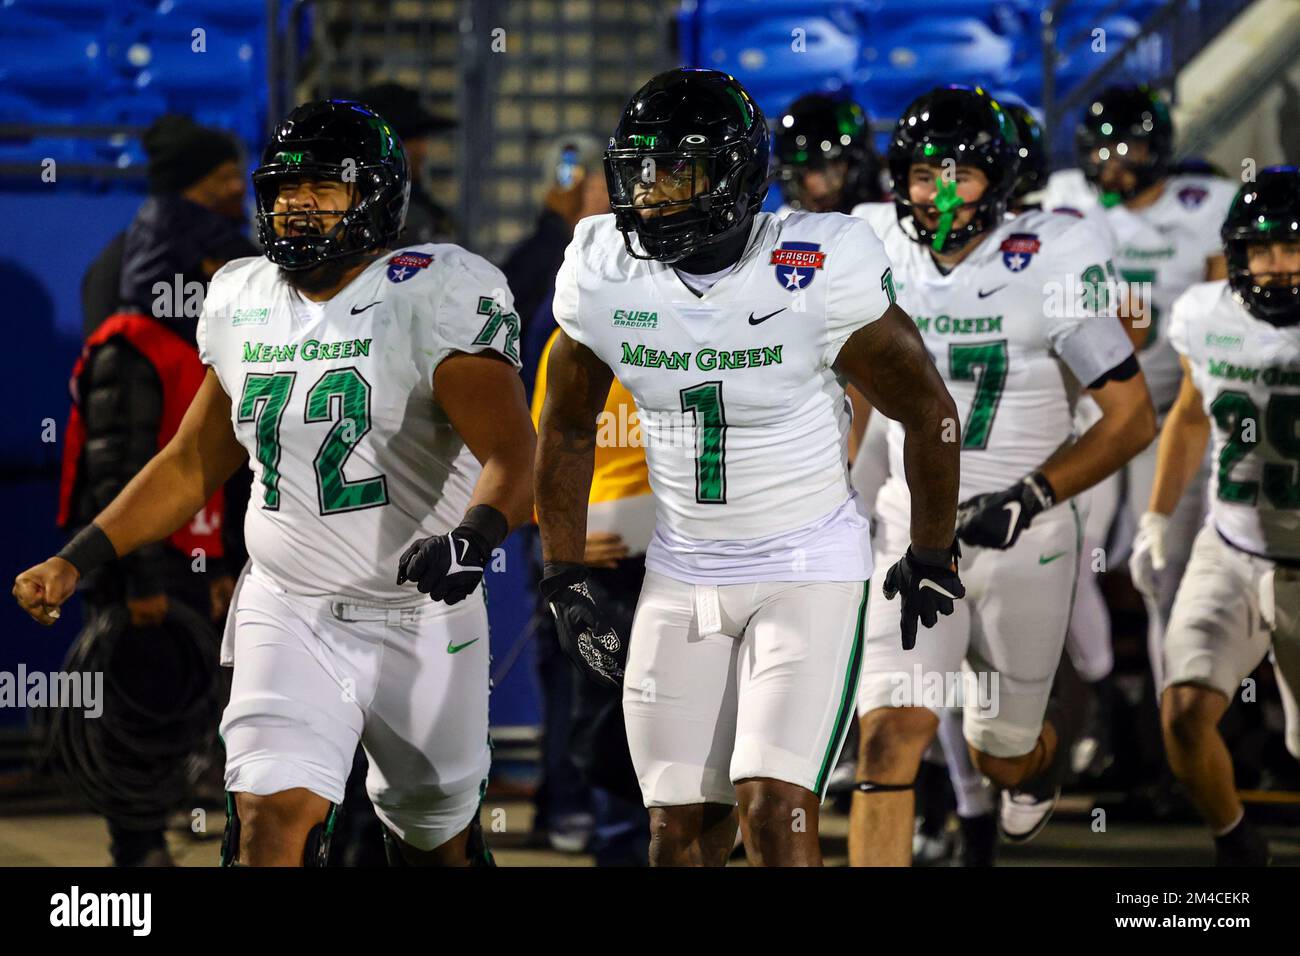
<point x="964" y="124"/>
<point x="1267" y="210"/>
<point x="819" y="130"/>
<point x="334" y="140"/>
<point x="1118" y="118"/>
<point x="687" y="165"/>
<point x="1033" y="160"/>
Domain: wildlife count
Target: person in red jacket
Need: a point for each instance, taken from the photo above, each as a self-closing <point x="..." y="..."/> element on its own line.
<point x="137" y="372"/>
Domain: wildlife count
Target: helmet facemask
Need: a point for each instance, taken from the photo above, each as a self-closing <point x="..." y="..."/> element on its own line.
<point x="356" y="230"/>
<point x="1096" y="151"/>
<point x="947" y="129"/>
<point x="945" y="236"/>
<point x="677" y="202"/>
<point x="1265" y="213"/>
<point x="1272" y="297"/>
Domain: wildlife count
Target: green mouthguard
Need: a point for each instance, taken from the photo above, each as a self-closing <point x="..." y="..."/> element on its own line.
<point x="946" y="202"/>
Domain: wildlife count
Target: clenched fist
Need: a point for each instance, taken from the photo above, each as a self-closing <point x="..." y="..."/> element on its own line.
<point x="42" y="589"/>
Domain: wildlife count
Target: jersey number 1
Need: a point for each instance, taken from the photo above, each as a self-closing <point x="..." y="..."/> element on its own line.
<point x="704" y="402"/>
<point x="264" y="400"/>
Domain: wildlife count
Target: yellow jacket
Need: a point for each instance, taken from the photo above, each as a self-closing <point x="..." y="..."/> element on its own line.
<point x="620" y="469"/>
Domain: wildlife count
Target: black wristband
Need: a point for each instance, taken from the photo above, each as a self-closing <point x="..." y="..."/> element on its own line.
<point x="1043" y="488"/>
<point x="88" y="550"/>
<point x="558" y="575"/>
<point x="488" y="523"/>
<point x="935" y="558"/>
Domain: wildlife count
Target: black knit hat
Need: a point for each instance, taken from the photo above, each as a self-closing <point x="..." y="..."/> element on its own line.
<point x="401" y="106"/>
<point x="181" y="152"/>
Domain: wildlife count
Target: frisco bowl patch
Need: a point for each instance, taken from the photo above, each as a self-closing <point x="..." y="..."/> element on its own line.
<point x="405" y="264"/>
<point x="1018" y="250"/>
<point x="797" y="263"/>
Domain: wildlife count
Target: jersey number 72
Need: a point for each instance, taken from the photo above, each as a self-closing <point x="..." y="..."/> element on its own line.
<point x="266" y="395"/>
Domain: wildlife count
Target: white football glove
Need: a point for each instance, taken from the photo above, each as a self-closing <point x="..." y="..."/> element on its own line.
<point x="1148" y="558"/>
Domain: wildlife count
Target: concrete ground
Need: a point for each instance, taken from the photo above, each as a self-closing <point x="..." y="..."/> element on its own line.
<point x="39" y="837"/>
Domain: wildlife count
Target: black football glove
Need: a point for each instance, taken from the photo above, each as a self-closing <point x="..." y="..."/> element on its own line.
<point x="996" y="519"/>
<point x="928" y="590"/>
<point x="586" y="637"/>
<point x="447" y="567"/>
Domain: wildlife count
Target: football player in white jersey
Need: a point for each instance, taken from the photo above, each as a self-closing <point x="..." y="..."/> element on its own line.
<point x="1017" y="315"/>
<point x="733" y="330"/>
<point x="1239" y="341"/>
<point x="377" y="399"/>
<point x="1167" y="231"/>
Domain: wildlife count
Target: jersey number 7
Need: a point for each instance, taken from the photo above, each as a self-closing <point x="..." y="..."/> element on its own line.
<point x="264" y="400"/>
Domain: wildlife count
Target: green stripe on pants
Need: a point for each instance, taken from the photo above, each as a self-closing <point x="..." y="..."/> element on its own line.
<point x="848" y="699"/>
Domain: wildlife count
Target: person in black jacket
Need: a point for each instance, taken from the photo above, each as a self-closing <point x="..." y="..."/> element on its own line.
<point x="427" y="220"/>
<point x="574" y="180"/>
<point x="575" y="188"/>
<point x="187" y="228"/>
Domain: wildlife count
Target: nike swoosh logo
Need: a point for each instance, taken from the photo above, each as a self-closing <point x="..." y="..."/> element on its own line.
<point x="1049" y="558"/>
<point x="927" y="583"/>
<point x="457" y="648"/>
<point x="985" y="295"/>
<point x="356" y="311"/>
<point x="1014" y="508"/>
<point x="754" y="321"/>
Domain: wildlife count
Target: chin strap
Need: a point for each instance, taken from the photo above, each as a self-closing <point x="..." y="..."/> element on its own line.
<point x="946" y="201"/>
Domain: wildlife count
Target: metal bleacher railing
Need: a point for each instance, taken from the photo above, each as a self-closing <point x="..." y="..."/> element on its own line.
<point x="512" y="73"/>
<point x="1169" y="37"/>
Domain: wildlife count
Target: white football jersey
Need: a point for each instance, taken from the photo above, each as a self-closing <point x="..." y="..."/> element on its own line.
<point x="1248" y="374"/>
<point x="1164" y="246"/>
<point x="352" y="457"/>
<point x="1002" y="328"/>
<point x="744" y="420"/>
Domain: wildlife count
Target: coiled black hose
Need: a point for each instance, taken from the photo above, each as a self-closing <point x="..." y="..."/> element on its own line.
<point x="160" y="706"/>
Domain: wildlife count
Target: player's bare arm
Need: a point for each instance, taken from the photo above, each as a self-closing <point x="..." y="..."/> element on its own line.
<point x="861" y="415"/>
<point x="483" y="397"/>
<point x="577" y="385"/>
<point x="1134" y="317"/>
<point x="166" y="493"/>
<point x="1183" y="438"/>
<point x="888" y="362"/>
<point x="1127" y="425"/>
<point x="484" y="401"/>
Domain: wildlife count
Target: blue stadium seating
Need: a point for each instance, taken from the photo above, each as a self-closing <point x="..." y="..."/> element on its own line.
<point x="778" y="47"/>
<point x="903" y="47"/>
<point x="1007" y="17"/>
<point x="238" y="15"/>
<point x="915" y="58"/>
<point x="82" y="14"/>
<point x="125" y="62"/>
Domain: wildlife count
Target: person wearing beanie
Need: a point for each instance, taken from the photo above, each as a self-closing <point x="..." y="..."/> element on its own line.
<point x="426" y="219"/>
<point x="135" y="373"/>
